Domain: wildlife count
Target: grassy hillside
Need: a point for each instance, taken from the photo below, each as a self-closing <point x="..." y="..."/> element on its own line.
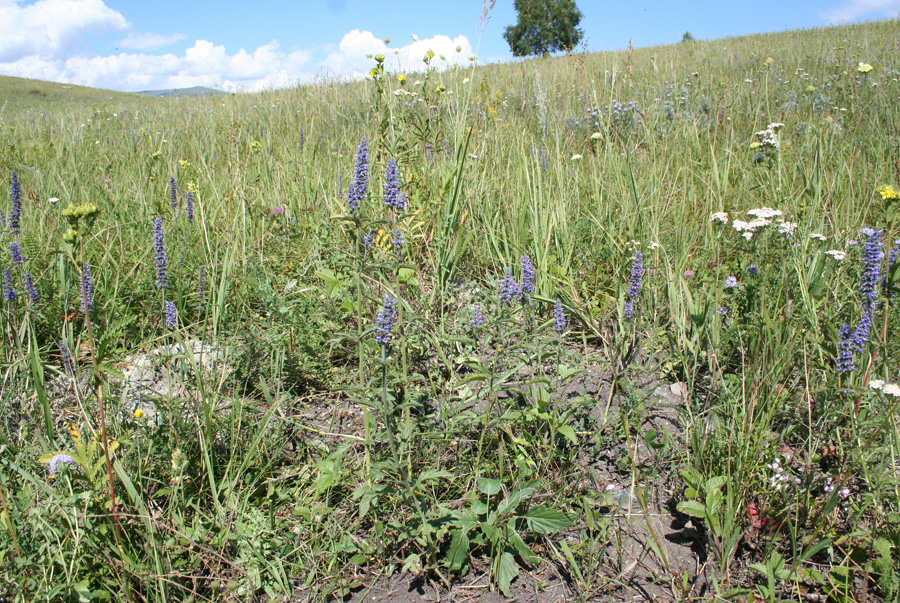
<point x="20" y="95"/>
<point x="629" y="333"/>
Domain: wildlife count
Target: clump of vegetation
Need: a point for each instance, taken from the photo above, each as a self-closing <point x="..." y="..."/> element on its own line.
<point x="426" y="327"/>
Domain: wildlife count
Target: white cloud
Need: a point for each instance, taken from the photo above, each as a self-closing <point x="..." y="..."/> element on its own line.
<point x="208" y="64"/>
<point x="52" y="29"/>
<point x="850" y="10"/>
<point x="149" y="41"/>
<point x="349" y="58"/>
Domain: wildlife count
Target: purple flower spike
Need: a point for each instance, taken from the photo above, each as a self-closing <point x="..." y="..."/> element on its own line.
<point x="478" y="320"/>
<point x="171" y="315"/>
<point x="86" y="289"/>
<point x="15" y="211"/>
<point x="173" y="193"/>
<point x="559" y="317"/>
<point x="15" y="253"/>
<point x="189" y="207"/>
<point x="509" y="288"/>
<point x="9" y="292"/>
<point x="30" y="289"/>
<point x="385" y="320"/>
<point x="391" y="185"/>
<point x="162" y="262"/>
<point x="527" y="275"/>
<point x="634" y="285"/>
<point x="356" y="191"/>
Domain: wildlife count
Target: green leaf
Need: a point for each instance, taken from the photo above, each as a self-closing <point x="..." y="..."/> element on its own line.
<point x="507" y="571"/>
<point x="489" y="486"/>
<point x="569" y="433"/>
<point x="458" y="555"/>
<point x="517" y="497"/>
<point x="546" y="521"/>
<point x="522" y="549"/>
<point x="432" y="474"/>
<point x="692" y="508"/>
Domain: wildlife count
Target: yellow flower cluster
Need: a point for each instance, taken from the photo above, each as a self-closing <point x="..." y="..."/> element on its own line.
<point x="888" y="192"/>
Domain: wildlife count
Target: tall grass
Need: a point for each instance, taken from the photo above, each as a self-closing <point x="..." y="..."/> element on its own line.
<point x="295" y="454"/>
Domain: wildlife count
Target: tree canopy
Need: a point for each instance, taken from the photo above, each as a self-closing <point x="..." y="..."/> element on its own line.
<point x="544" y="26"/>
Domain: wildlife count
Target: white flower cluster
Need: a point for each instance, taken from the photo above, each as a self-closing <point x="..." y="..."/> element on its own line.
<point x="892" y="389"/>
<point x="837" y="254"/>
<point x="768" y="139"/>
<point x="780" y="479"/>
<point x="762" y="217"/>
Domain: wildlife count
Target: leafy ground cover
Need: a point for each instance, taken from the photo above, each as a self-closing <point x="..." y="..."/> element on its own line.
<point x="594" y="327"/>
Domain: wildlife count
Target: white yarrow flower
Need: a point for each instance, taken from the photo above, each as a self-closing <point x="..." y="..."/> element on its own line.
<point x="876" y="383"/>
<point x="892" y="389"/>
<point x="719" y="216"/>
<point x="764" y="212"/>
<point x="837" y="254"/>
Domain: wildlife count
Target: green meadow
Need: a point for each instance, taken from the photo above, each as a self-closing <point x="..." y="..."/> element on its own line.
<point x="594" y="327"/>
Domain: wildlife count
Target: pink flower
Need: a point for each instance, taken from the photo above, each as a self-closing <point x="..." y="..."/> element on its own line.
<point x="278" y="210"/>
<point x="688" y="273"/>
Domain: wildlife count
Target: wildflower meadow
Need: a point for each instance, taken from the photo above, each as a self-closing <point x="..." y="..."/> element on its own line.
<point x="594" y="327"/>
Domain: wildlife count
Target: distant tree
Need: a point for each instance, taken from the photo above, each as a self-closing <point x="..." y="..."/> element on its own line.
<point x="544" y="26"/>
<point x="687" y="37"/>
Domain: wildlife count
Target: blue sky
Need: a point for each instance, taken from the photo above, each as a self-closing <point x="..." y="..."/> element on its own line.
<point x="239" y="45"/>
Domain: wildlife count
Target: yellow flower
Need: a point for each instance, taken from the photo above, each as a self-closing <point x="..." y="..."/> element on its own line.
<point x="401" y="78"/>
<point x="139" y="413"/>
<point x="864" y="67"/>
<point x="888" y="192"/>
<point x="256" y="144"/>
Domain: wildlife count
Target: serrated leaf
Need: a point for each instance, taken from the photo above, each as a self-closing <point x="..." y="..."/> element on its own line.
<point x="692" y="508"/>
<point x="544" y="520"/>
<point x="458" y="554"/>
<point x="413" y="564"/>
<point x="522" y="549"/>
<point x="715" y="483"/>
<point x="507" y="571"/>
